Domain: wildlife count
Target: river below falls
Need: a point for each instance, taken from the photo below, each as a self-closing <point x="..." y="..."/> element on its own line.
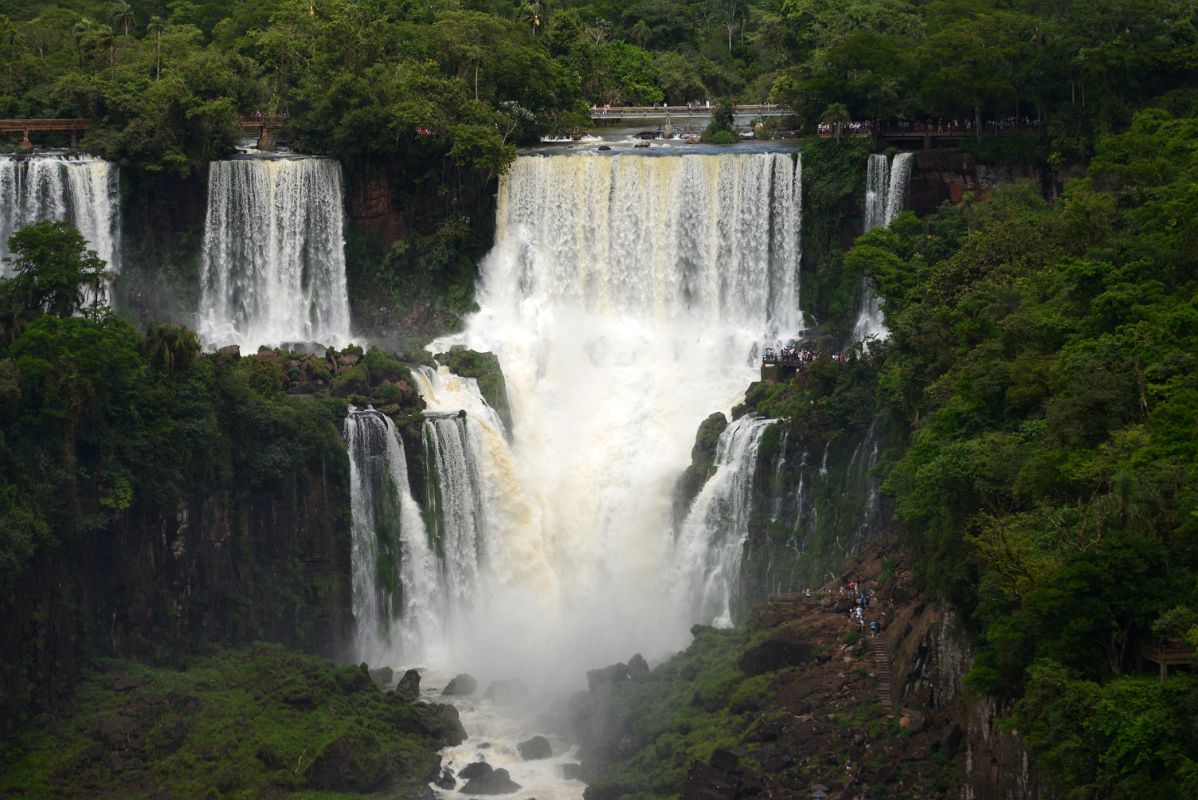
<point x="493" y="732"/>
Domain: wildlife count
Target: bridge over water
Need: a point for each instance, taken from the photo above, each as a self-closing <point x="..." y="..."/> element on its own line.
<point x="26" y="126"/>
<point x="680" y="113"/>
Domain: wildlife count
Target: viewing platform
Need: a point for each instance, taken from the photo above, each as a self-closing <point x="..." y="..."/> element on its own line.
<point x="666" y="113"/>
<point x="25" y="126"/>
<point x="1166" y="654"/>
<point x="265" y="128"/>
<point x="926" y="136"/>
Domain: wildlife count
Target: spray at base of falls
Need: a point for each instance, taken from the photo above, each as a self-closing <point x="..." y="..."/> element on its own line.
<point x="82" y="190"/>
<point x="273" y="267"/>
<point x="885" y="193"/>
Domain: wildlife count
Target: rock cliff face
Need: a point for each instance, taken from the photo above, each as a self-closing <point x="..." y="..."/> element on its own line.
<point x="227" y="566"/>
<point x="948" y="175"/>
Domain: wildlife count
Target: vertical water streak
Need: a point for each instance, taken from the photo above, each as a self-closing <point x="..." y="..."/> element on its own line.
<point x="273" y="267"/>
<point x="397" y="589"/>
<point x="81" y="190"/>
<point x="712" y="537"/>
<point x="885" y="193"/>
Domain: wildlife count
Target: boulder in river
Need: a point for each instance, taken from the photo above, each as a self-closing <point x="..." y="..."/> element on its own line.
<point x="409" y="686"/>
<point x="475" y="770"/>
<point x="462" y="684"/>
<point x="445" y="779"/>
<point x="570" y="772"/>
<point x="535" y="748"/>
<point x="494" y="782"/>
<point x="505" y="693"/>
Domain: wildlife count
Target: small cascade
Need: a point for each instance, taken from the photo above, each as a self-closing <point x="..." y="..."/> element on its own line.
<point x="397" y="587"/>
<point x="273" y="268"/>
<point x="713" y="535"/>
<point x="82" y="190"/>
<point x="885" y="193"/>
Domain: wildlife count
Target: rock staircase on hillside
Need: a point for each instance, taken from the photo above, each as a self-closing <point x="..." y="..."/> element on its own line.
<point x="885" y="673"/>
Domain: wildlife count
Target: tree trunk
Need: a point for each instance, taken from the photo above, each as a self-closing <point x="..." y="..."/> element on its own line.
<point x="977" y="119"/>
<point x="476" y="79"/>
<point x="158" y="57"/>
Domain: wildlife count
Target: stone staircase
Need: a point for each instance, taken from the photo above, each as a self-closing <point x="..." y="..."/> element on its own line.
<point x="886" y="686"/>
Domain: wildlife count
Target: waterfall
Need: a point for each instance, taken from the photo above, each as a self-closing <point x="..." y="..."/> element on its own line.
<point x="273" y="266"/>
<point x="713" y="535"/>
<point x="885" y="192"/>
<point x="82" y="190"/>
<point x="397" y="587"/>
<point x="626" y="298"/>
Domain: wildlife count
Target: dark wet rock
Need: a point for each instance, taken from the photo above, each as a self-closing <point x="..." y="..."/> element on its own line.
<point x="638" y="668"/>
<point x="506" y="692"/>
<point x="349" y="763"/>
<point x="603" y="148"/>
<point x="475" y="770"/>
<point x="494" y="782"/>
<point x="607" y="676"/>
<point x="462" y="684"/>
<point x="231" y="351"/>
<point x="409" y="686"/>
<point x="775" y="654"/>
<point x="570" y="772"/>
<point x="445" y="779"/>
<point x="439" y="721"/>
<point x="382" y="677"/>
<point x="535" y="748"/>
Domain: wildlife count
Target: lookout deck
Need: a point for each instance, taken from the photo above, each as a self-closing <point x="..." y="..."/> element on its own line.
<point x="1165" y="655"/>
<point x="680" y="113"/>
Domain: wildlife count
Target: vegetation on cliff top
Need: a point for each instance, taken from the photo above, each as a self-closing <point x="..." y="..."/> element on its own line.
<point x="251" y="722"/>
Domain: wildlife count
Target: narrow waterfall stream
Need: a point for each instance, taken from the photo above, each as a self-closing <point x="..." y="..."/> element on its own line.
<point x="712" y="538"/>
<point x="885" y="193"/>
<point x="273" y="268"/>
<point x="82" y="190"/>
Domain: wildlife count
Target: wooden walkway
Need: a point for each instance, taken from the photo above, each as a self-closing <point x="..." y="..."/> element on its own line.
<point x="640" y="113"/>
<point x="886" y="687"/>
<point x="24" y="126"/>
<point x="1165" y="655"/>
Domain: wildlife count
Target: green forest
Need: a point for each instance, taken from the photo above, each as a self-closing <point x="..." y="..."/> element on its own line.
<point x="1041" y="379"/>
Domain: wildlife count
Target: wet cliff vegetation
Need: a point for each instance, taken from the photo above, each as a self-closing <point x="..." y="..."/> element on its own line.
<point x="154" y="498"/>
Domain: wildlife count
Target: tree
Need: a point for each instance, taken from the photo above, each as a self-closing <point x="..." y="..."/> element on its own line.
<point x="641" y="32"/>
<point x="55" y="273"/>
<point x="836" y="115"/>
<point x="122" y="17"/>
<point x="156" y="26"/>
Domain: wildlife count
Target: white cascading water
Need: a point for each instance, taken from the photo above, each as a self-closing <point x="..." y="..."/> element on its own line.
<point x="82" y="190"/>
<point x="273" y="267"/>
<point x="885" y="192"/>
<point x="388" y="535"/>
<point x="712" y="538"/>
<point x="626" y="298"/>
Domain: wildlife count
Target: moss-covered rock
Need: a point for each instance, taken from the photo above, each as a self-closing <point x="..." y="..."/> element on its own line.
<point x="483" y="367"/>
<point x="252" y="722"/>
<point x="702" y="464"/>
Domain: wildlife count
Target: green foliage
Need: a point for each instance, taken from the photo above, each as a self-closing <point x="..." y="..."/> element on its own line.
<point x="722" y="128"/>
<point x="54" y="274"/>
<point x="1045" y="358"/>
<point x="689" y="707"/>
<point x="250" y="722"/>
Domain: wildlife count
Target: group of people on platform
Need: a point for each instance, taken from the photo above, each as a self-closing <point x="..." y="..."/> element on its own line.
<point x="939" y="125"/>
<point x="860" y="126"/>
<point x="796" y="355"/>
